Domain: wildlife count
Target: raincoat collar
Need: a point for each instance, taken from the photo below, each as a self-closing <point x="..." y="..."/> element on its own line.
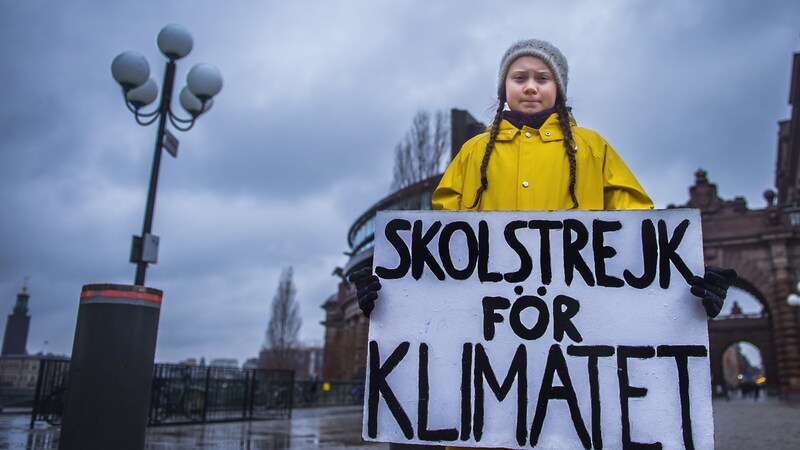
<point x="549" y="131"/>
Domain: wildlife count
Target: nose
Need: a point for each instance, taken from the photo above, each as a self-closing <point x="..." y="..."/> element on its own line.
<point x="530" y="88"/>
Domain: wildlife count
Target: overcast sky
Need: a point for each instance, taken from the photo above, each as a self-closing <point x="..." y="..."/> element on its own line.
<point x="300" y="140"/>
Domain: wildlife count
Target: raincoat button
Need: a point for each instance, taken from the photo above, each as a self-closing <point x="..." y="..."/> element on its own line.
<point x="547" y="133"/>
<point x="527" y="135"/>
<point x="524" y="184"/>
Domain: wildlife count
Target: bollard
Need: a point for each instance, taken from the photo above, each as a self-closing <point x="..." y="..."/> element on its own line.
<point x="110" y="376"/>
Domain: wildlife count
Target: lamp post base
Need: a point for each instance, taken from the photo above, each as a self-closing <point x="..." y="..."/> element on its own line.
<point x="110" y="376"/>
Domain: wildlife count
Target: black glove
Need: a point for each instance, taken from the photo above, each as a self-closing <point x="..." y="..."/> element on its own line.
<point x="712" y="288"/>
<point x="367" y="287"/>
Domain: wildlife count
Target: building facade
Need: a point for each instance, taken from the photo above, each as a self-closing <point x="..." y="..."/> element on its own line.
<point x="19" y="372"/>
<point x="346" y="328"/>
<point x="763" y="245"/>
<point x="305" y="362"/>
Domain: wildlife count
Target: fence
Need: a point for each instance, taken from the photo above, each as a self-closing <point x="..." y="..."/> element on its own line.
<point x="51" y="384"/>
<point x="186" y="394"/>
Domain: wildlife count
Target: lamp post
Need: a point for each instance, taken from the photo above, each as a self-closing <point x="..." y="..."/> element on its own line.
<point x="793" y="211"/>
<point x="111" y="373"/>
<point x="131" y="71"/>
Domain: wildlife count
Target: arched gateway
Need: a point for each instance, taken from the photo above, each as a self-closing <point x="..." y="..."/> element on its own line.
<point x="764" y="247"/>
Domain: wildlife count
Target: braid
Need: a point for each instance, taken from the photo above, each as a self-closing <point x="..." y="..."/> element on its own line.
<point x="498" y="117"/>
<point x="569" y="145"/>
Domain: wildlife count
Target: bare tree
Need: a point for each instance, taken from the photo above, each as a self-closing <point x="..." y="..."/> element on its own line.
<point x="419" y="155"/>
<point x="284" y="324"/>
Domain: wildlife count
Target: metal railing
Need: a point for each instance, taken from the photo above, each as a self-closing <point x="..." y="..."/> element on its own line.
<point x="183" y="394"/>
<point x="51" y="385"/>
<point x="186" y="394"/>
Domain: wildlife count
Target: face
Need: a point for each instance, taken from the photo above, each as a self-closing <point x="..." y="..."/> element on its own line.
<point x="530" y="85"/>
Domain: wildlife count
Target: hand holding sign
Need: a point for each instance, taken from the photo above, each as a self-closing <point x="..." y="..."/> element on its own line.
<point x="367" y="287"/>
<point x="713" y="288"/>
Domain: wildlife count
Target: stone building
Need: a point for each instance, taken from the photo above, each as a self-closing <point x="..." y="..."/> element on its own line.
<point x="346" y="329"/>
<point x="19" y="372"/>
<point x="16" y="336"/>
<point x="305" y="362"/>
<point x="763" y="245"/>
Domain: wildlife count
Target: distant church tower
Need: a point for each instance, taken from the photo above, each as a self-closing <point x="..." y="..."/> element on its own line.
<point x="16" y="337"/>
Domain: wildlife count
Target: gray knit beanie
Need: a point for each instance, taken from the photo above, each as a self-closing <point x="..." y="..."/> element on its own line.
<point x="543" y="50"/>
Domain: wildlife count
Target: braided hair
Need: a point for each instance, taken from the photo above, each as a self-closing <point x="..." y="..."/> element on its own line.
<point x="569" y="146"/>
<point x="498" y="117"/>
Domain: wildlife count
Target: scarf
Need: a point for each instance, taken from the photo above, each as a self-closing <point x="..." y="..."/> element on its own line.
<point x="520" y="119"/>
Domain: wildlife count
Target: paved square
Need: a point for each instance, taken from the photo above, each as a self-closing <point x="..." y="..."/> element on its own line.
<point x="738" y="423"/>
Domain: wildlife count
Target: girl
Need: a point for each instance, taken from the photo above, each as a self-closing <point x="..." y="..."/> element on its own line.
<point x="535" y="157"/>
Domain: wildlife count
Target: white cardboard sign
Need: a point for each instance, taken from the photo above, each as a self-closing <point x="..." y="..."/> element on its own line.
<point x="561" y="329"/>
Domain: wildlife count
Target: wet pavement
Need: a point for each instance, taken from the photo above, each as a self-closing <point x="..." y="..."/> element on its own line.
<point x="758" y="425"/>
<point x="739" y="424"/>
<point x="331" y="428"/>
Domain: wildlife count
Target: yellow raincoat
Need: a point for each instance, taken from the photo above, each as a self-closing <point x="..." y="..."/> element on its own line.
<point x="529" y="170"/>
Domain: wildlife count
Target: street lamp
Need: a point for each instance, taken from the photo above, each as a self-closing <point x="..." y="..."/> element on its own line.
<point x="131" y="71"/>
<point x="794" y="213"/>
